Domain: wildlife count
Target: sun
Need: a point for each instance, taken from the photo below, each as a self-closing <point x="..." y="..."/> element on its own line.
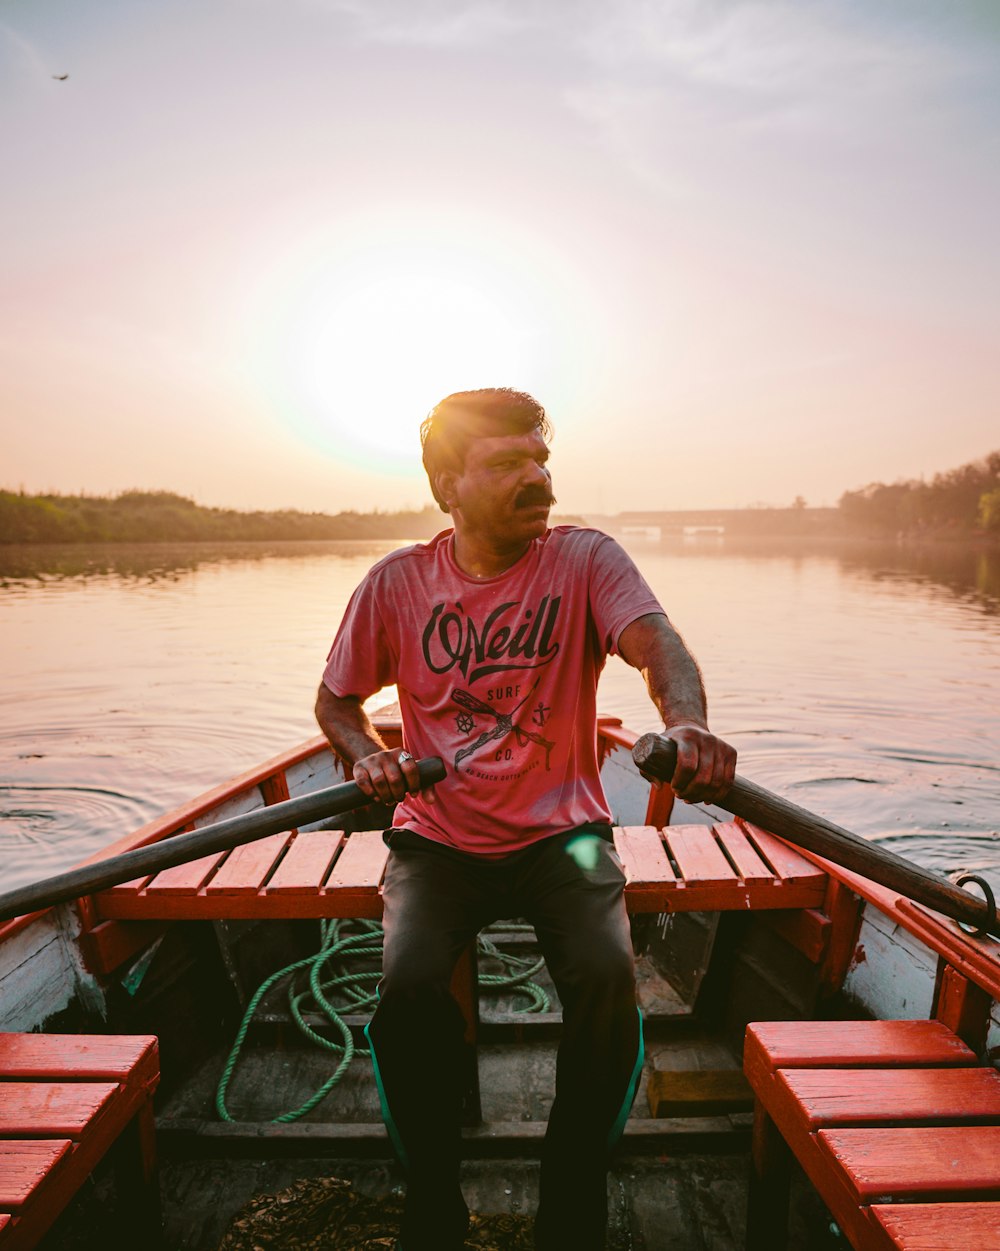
<point x="364" y="344"/>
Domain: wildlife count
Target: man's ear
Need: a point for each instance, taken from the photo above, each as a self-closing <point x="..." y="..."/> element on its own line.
<point x="445" y="484"/>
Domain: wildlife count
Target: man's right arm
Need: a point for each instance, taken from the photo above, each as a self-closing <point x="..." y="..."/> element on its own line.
<point x="376" y="768"/>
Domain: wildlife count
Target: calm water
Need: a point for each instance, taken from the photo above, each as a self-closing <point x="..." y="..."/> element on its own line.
<point x="861" y="682"/>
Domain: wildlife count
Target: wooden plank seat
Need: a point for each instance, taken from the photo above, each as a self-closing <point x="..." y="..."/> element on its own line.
<point x="879" y="1114"/>
<point x="66" y="1100"/>
<point x="936" y="1226"/>
<point x="324" y="873"/>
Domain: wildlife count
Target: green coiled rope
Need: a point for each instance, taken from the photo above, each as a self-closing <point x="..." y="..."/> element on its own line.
<point x="329" y="979"/>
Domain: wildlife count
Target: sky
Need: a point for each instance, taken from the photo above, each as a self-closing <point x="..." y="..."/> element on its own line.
<point x="741" y="251"/>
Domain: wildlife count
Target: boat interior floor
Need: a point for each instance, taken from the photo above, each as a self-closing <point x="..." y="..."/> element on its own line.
<point x="679" y="1178"/>
<point x="683" y="1203"/>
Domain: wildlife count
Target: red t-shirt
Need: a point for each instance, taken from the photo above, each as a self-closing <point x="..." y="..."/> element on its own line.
<point x="498" y="677"/>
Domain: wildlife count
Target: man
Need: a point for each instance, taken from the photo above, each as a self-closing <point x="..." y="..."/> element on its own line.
<point x="495" y="633"/>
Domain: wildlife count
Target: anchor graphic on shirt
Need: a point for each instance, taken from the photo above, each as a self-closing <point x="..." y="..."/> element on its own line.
<point x="504" y="726"/>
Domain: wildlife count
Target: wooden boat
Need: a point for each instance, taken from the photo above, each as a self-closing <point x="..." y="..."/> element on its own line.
<point x="732" y="925"/>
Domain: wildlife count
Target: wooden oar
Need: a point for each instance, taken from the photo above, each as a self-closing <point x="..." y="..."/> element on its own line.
<point x="657" y="756"/>
<point x="143" y="861"/>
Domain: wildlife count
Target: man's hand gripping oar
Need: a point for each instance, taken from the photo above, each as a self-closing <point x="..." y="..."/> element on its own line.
<point x="142" y="861"/>
<point x="656" y="757"/>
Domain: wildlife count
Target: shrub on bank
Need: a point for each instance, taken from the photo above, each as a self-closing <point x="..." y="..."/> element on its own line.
<point x="163" y="516"/>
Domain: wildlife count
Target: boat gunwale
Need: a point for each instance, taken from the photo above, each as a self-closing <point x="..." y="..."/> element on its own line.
<point x="976" y="957"/>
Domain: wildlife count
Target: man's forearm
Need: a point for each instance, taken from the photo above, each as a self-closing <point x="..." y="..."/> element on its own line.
<point x="705" y="764"/>
<point x="380" y="772"/>
<point x="346" y="725"/>
<point x="670" y="672"/>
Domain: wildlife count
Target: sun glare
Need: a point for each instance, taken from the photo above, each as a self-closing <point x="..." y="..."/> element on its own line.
<point x="361" y="345"/>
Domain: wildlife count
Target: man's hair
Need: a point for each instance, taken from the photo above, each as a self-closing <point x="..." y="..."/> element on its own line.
<point x="449" y="428"/>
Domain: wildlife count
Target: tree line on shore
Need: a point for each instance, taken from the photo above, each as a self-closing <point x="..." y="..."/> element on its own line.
<point x="958" y="502"/>
<point x="163" y="516"/>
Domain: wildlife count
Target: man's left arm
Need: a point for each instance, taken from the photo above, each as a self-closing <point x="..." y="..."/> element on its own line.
<point x="705" y="764"/>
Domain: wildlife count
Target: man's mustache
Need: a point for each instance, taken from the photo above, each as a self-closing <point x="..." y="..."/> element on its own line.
<point x="534" y="497"/>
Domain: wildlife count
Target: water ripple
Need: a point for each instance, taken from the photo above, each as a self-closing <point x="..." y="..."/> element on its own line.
<point x="45" y="827"/>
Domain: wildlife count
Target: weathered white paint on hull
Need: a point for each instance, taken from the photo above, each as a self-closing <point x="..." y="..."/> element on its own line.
<point x="41" y="973"/>
<point x="236" y="806"/>
<point x="893" y="973"/>
<point x="315" y="773"/>
<point x="993" y="1035"/>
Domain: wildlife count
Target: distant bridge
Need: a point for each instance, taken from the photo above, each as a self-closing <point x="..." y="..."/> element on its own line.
<point x="654" y="524"/>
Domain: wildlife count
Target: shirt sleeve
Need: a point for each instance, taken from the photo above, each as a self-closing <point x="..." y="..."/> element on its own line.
<point x="619" y="594"/>
<point x="362" y="659"/>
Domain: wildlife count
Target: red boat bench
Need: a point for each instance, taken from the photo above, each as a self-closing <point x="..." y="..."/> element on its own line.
<point x="66" y="1100"/>
<point x="325" y="873"/>
<point x="894" y="1122"/>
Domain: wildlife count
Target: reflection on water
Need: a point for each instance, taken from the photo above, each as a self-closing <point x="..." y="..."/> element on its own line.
<point x="152" y="562"/>
<point x="859" y="680"/>
<point x="971" y="574"/>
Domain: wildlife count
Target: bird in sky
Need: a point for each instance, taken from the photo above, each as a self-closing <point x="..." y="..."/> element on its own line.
<point x="60" y="78"/>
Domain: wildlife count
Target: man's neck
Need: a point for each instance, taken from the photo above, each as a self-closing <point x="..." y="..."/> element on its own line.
<point x="480" y="558"/>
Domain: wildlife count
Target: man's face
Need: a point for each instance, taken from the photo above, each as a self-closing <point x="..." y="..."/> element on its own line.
<point x="504" y="491"/>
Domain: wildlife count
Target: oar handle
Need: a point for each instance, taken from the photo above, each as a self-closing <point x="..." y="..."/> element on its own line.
<point x="656" y="756"/>
<point x="334" y="801"/>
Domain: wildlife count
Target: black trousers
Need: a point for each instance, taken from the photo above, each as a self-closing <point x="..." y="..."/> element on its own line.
<point x="436" y="899"/>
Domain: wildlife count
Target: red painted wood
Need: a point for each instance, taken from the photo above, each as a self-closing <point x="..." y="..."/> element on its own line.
<point x="110" y="943"/>
<point x="936" y="1226"/>
<point x="274" y="790"/>
<point x="844" y="909"/>
<point x="360" y="866"/>
<point x="660" y="805"/>
<point x="24" y="1165"/>
<point x="698" y="855"/>
<point x="352" y="891"/>
<point x="881" y="1165"/>
<point x="805" y="929"/>
<point x="132" y="886"/>
<point x="248" y="867"/>
<point x="611" y="733"/>
<point x="787" y="863"/>
<point x="963" y="1007"/>
<point x="743" y="854"/>
<point x="306" y="863"/>
<point x="829" y="1097"/>
<point x="69" y="1057"/>
<point x="185" y="879"/>
<point x="352" y="902"/>
<point x="5" y="1219"/>
<point x="733" y="896"/>
<point x="60" y="1109"/>
<point x="884" y="1133"/>
<point x="39" y="1178"/>
<point x="643" y="855"/>
<point x="774" y="1045"/>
